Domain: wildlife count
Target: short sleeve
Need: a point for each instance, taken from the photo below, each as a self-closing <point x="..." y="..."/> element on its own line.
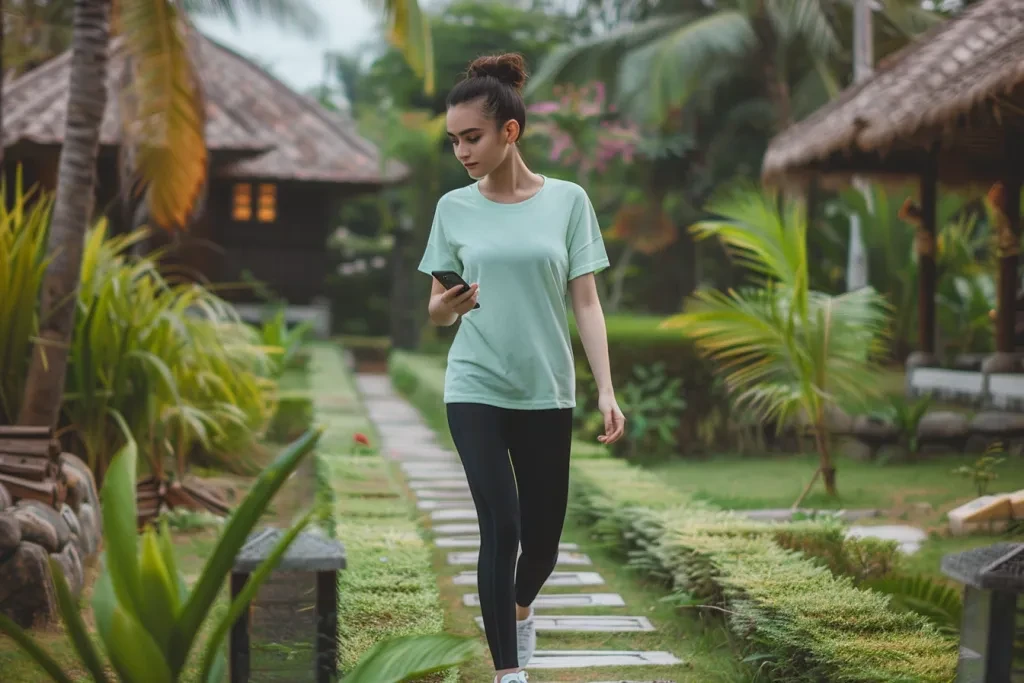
<point x="586" y="245"/>
<point x="438" y="254"/>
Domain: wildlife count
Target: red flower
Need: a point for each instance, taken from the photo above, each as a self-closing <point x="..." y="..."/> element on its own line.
<point x="361" y="438"/>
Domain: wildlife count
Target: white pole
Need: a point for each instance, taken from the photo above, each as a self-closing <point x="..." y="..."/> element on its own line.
<point x="863" y="61"/>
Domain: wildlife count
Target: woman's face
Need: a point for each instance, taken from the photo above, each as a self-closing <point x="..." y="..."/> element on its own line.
<point x="479" y="143"/>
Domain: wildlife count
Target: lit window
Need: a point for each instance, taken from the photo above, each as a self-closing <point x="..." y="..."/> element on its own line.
<point x="242" y="209"/>
<point x="267" y="210"/>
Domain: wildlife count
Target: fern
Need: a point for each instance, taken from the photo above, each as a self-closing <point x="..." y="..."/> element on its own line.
<point x="936" y="601"/>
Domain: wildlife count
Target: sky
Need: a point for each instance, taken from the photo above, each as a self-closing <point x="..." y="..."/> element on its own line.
<point x="297" y="60"/>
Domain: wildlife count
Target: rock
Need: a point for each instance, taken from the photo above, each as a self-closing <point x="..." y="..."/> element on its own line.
<point x="89" y="523"/>
<point x="969" y="361"/>
<point x="857" y="450"/>
<point x="70" y="562"/>
<point x="893" y="452"/>
<point x="874" y="431"/>
<point x="10" y="533"/>
<point x="6" y="500"/>
<point x="81" y="484"/>
<point x="26" y="589"/>
<point x="41" y="524"/>
<point x="838" y="421"/>
<point x="998" y="424"/>
<point x="68" y="515"/>
<point x="943" y="426"/>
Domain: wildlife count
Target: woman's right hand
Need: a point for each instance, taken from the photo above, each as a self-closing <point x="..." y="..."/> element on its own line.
<point x="450" y="303"/>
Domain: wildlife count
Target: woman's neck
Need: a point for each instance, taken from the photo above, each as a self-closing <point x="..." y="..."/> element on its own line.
<point x="511" y="180"/>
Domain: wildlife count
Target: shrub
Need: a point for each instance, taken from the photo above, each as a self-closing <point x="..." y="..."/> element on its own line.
<point x="637" y="341"/>
<point x="293" y="416"/>
<point x="790" y="589"/>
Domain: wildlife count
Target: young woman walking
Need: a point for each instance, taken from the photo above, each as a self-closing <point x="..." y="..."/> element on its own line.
<point x="523" y="242"/>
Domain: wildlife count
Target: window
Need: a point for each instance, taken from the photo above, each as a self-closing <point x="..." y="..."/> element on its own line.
<point x="242" y="207"/>
<point x="267" y="211"/>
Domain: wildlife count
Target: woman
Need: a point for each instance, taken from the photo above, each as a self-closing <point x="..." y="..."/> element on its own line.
<point x="522" y="241"/>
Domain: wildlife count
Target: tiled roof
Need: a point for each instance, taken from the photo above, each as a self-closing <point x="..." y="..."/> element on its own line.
<point x="284" y="135"/>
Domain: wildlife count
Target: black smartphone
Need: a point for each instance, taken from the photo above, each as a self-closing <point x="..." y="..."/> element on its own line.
<point x="449" y="279"/>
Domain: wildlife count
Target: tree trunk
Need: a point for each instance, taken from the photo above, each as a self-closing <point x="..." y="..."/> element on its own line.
<point x="72" y="211"/>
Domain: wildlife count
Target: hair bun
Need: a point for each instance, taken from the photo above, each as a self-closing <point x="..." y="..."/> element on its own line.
<point x="509" y="68"/>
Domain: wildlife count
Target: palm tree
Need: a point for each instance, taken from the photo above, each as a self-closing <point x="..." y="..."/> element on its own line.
<point x="788" y="353"/>
<point x="660" y="62"/>
<point x="164" y="139"/>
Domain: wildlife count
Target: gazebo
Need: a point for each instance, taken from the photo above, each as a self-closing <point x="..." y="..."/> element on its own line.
<point x="946" y="110"/>
<point x="281" y="165"/>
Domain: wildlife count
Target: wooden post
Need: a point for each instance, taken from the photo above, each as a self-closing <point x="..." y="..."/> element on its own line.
<point x="1006" y="308"/>
<point x="926" y="276"/>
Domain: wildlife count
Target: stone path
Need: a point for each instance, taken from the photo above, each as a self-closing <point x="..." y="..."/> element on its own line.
<point x="436" y="476"/>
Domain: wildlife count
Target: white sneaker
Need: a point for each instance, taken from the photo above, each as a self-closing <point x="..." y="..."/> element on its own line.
<point x="526" y="639"/>
<point x="520" y="677"/>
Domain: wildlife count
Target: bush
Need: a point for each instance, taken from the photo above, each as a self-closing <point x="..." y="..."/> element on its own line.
<point x="637" y="341"/>
<point x="293" y="416"/>
<point x="785" y="586"/>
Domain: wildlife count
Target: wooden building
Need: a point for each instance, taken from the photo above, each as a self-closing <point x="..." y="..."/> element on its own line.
<point x="281" y="165"/>
<point x="947" y="110"/>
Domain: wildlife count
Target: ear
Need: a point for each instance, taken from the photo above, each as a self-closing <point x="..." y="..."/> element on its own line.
<point x="511" y="131"/>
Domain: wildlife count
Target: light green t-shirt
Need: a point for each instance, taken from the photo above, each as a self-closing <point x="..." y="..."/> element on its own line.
<point x="514" y="351"/>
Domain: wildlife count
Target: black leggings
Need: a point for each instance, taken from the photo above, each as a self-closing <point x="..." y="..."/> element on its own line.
<point x="501" y="450"/>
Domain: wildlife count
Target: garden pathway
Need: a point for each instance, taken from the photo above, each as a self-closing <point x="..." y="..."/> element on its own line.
<point x="436" y="476"/>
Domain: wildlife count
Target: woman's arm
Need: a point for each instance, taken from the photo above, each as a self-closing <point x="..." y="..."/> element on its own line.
<point x="586" y="306"/>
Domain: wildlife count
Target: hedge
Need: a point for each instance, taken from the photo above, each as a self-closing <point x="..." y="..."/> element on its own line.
<point x="388" y="587"/>
<point x="785" y="587"/>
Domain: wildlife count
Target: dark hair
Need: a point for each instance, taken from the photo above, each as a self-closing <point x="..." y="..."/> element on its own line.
<point x="499" y="80"/>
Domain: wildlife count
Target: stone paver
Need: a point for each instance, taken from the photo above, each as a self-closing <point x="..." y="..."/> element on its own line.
<point x="909" y="538"/>
<point x="468" y="578"/>
<point x="561" y="600"/>
<point x="786" y="514"/>
<point x="436" y="477"/>
<point x="471" y="557"/>
<point x="587" y="624"/>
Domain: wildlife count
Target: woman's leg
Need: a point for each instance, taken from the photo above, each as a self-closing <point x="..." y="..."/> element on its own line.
<point x="540" y="441"/>
<point x="479" y="432"/>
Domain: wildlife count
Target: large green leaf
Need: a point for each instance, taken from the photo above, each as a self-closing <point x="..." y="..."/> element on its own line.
<point x="163" y="602"/>
<point x="409" y="31"/>
<point x="134" y="653"/>
<point x="75" y="626"/>
<point x="411" y="658"/>
<point x="938" y="602"/>
<point x="231" y="541"/>
<point x="119" y="528"/>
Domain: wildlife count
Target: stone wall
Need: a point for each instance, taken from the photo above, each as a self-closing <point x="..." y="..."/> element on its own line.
<point x="31" y="532"/>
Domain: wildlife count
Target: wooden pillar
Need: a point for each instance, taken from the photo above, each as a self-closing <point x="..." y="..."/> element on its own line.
<point x="926" y="276"/>
<point x="1009" y="247"/>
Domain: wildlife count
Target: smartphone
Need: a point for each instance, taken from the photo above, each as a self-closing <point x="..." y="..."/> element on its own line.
<point x="449" y="279"/>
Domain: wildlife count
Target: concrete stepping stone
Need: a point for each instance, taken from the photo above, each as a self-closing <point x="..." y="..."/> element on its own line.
<point x="445" y="494"/>
<point x="430" y="467"/>
<point x="471" y="557"/>
<point x="581" y="659"/>
<point x="909" y="538"/>
<point x="414" y="455"/>
<point x="453" y="515"/>
<point x="447" y="474"/>
<point x="587" y="624"/>
<point x="561" y="600"/>
<point x="428" y="504"/>
<point x="468" y="578"/>
<point x="455" y="542"/>
<point x="423" y="483"/>
<point x="456" y="528"/>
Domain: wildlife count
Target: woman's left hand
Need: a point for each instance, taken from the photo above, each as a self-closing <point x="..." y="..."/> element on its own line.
<point x="614" y="420"/>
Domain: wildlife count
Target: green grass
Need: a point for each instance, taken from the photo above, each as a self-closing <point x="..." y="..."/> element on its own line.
<point x="919" y="493"/>
<point x="389" y="587"/>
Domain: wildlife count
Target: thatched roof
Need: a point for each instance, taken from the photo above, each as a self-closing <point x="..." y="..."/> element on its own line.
<point x="251" y="115"/>
<point x="950" y="97"/>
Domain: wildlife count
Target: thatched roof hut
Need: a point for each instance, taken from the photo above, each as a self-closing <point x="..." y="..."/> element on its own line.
<point x="951" y="102"/>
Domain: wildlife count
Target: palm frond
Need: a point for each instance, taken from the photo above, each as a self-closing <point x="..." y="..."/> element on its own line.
<point x="409" y="32"/>
<point x="804" y="20"/>
<point x="163" y="110"/>
<point x="664" y="73"/>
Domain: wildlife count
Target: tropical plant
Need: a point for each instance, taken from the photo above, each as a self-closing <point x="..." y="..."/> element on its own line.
<point x="653" y="402"/>
<point x="932" y="599"/>
<point x="983" y="471"/>
<point x="903" y="413"/>
<point x="284" y="343"/>
<point x="164" y="153"/>
<point x="787" y="352"/>
<point x="148" y="619"/>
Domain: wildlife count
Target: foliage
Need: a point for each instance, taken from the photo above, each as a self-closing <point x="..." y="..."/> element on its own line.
<point x="24" y="225"/>
<point x="639" y="341"/>
<point x="905" y="414"/>
<point x="284" y="343"/>
<point x="787" y="352"/>
<point x="983" y="471"/>
<point x="653" y="402"/>
<point x="938" y="602"/>
<point x="165" y="362"/>
<point x="293" y="416"/>
<point x="802" y="621"/>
